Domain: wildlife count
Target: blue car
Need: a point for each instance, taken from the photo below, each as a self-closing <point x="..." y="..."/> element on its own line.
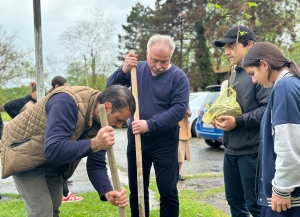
<point x="211" y="135"/>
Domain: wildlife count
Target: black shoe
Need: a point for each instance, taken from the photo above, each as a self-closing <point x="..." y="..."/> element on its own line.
<point x="181" y="178"/>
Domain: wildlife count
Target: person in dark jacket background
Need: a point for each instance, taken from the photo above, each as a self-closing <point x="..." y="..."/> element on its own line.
<point x="16" y="106"/>
<point x="241" y="134"/>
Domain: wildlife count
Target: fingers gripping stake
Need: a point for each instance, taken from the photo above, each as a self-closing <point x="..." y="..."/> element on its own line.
<point x="111" y="159"/>
<point x="138" y="146"/>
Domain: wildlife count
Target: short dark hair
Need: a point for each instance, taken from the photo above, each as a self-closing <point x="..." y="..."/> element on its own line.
<point x="119" y="96"/>
<point x="57" y="80"/>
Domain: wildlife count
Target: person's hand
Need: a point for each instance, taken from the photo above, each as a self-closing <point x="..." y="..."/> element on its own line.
<point x="104" y="139"/>
<point x="130" y="61"/>
<point x="117" y="198"/>
<point x="225" y="123"/>
<point x="279" y="203"/>
<point x="139" y="126"/>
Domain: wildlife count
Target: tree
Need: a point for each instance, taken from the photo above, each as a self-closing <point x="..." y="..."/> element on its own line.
<point x="272" y="21"/>
<point x="14" y="63"/>
<point x="202" y="74"/>
<point x="138" y="31"/>
<point x="8" y="94"/>
<point x="76" y="77"/>
<point x="90" y="43"/>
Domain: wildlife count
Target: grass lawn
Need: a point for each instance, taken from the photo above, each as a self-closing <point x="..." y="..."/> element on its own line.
<point x="5" y="117"/>
<point x="91" y="206"/>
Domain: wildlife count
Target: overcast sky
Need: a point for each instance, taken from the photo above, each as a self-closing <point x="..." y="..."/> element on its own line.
<point x="57" y="15"/>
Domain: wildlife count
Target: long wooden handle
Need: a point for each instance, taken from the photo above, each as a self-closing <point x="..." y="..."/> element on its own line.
<point x="111" y="159"/>
<point x="138" y="146"/>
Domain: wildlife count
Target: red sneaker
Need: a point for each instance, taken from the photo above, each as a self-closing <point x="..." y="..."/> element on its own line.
<point x="71" y="198"/>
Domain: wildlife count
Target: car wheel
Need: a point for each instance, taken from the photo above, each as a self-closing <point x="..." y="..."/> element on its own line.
<point x="213" y="143"/>
<point x="193" y="128"/>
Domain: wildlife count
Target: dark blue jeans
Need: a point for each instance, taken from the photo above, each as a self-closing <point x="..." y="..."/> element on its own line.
<point x="161" y="150"/>
<point x="239" y="178"/>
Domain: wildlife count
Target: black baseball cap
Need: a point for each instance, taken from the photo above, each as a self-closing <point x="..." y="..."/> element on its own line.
<point x="230" y="36"/>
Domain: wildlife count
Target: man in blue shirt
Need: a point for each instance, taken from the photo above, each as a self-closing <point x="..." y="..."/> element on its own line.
<point x="163" y="95"/>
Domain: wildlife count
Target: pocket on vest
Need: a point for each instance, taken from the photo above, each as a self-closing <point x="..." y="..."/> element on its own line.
<point x="16" y="144"/>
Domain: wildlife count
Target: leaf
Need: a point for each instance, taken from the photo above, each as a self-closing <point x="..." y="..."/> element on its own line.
<point x="252" y="4"/>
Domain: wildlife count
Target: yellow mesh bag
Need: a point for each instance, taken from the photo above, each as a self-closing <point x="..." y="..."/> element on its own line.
<point x="225" y="104"/>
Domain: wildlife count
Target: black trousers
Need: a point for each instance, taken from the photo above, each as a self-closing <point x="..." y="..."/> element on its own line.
<point x="65" y="188"/>
<point x="239" y="178"/>
<point x="161" y="150"/>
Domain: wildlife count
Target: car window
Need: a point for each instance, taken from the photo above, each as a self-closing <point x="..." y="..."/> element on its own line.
<point x="192" y="97"/>
<point x="197" y="99"/>
<point x="211" y="98"/>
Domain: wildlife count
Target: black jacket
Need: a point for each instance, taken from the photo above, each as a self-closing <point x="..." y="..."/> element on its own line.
<point x="253" y="99"/>
<point x="14" y="107"/>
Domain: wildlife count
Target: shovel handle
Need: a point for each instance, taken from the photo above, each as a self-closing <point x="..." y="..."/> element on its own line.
<point x="111" y="159"/>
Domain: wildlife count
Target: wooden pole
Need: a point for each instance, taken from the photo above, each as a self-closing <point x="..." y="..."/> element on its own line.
<point x="111" y="159"/>
<point x="138" y="146"/>
<point x="38" y="49"/>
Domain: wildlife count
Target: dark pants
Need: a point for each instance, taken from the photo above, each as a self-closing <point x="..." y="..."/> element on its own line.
<point x="239" y="178"/>
<point x="162" y="151"/>
<point x="41" y="190"/>
<point x="65" y="188"/>
<point x="268" y="212"/>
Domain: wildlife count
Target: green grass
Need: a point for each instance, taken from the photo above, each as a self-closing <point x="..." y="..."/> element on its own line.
<point x="5" y="117"/>
<point x="91" y="206"/>
<point x="190" y="205"/>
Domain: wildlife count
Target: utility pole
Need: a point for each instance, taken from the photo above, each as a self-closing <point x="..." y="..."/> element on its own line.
<point x="38" y="49"/>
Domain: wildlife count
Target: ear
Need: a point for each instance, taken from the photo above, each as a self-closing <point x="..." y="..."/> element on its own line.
<point x="108" y="107"/>
<point x="249" y="45"/>
<point x="264" y="64"/>
<point x="56" y="86"/>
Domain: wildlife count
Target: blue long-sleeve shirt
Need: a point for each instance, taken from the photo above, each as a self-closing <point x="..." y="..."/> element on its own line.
<point x="163" y="99"/>
<point x="62" y="113"/>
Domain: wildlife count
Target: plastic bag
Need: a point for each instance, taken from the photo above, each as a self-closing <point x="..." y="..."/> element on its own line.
<point x="225" y="104"/>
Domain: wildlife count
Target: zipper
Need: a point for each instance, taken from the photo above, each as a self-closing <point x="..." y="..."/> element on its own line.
<point x="16" y="144"/>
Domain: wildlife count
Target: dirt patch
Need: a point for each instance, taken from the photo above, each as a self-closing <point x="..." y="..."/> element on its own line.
<point x="201" y="185"/>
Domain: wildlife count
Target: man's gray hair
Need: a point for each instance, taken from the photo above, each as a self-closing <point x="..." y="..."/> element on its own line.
<point x="162" y="40"/>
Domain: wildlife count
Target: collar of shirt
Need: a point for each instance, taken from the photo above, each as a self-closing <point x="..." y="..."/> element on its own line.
<point x="282" y="74"/>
